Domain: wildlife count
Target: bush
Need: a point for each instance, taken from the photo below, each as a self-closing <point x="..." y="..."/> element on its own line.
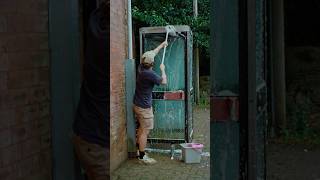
<point x="299" y="109"/>
<point x="176" y="12"/>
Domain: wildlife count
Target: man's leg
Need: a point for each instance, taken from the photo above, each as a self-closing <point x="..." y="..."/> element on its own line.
<point x="93" y="158"/>
<point x="142" y="138"/>
<point x="145" y="119"/>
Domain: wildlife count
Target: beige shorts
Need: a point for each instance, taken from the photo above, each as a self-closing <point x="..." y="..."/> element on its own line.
<point x="144" y="116"/>
<point x="94" y="158"/>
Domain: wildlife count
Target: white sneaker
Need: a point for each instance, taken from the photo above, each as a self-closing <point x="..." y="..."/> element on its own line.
<point x="147" y="160"/>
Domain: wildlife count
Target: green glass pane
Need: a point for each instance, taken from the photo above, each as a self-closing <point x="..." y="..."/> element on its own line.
<point x="174" y="61"/>
<point x="169" y="115"/>
<point x="169" y="119"/>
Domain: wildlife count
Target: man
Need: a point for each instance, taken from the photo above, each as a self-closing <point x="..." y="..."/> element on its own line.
<point x="146" y="79"/>
<point x="91" y="126"/>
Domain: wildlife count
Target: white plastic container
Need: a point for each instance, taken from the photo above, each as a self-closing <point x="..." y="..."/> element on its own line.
<point x="191" y="152"/>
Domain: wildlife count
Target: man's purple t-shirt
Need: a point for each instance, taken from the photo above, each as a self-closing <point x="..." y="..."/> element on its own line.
<point x="146" y="79"/>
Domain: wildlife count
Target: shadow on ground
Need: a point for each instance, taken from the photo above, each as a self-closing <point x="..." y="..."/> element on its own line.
<point x="293" y="162"/>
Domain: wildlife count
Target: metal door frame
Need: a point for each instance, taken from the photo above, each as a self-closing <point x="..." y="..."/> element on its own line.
<point x="183" y="29"/>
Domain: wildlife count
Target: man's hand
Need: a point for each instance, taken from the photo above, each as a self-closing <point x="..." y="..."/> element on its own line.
<point x="165" y="44"/>
<point x="162" y="45"/>
<point x="162" y="67"/>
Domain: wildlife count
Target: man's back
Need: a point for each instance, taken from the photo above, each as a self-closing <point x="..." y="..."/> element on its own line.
<point x="91" y="119"/>
<point x="146" y="80"/>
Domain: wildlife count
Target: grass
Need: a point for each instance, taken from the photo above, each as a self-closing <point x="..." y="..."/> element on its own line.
<point x="204" y="100"/>
<point x="299" y="129"/>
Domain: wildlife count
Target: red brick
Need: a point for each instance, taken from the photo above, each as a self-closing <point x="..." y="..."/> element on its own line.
<point x="43" y="76"/>
<point x="26" y="114"/>
<point x="30" y="147"/>
<point x="46" y="159"/>
<point x="19" y="133"/>
<point x="27" y="23"/>
<point x="9" y="155"/>
<point x="44" y="109"/>
<point x="23" y="42"/>
<point x="44" y="125"/>
<point x="28" y="167"/>
<point x="3" y="80"/>
<point x="45" y="142"/>
<point x="7" y="173"/>
<point x="12" y="98"/>
<point x="24" y="131"/>
<point x="23" y="78"/>
<point x="32" y="6"/>
<point x="21" y="97"/>
<point x="38" y="95"/>
<point x="38" y="176"/>
<point x="8" y="6"/>
<point x="3" y="23"/>
<point x="28" y="78"/>
<point x="27" y="60"/>
<point x="4" y="63"/>
<point x="25" y="137"/>
<point x="7" y="117"/>
<point x="4" y="42"/>
<point x="118" y="50"/>
<point x="5" y="138"/>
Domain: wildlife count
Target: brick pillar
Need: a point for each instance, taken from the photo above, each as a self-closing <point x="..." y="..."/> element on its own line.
<point x="25" y="141"/>
<point x="118" y="55"/>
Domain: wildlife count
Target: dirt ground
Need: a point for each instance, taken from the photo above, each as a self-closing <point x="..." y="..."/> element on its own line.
<point x="293" y="162"/>
<point x="166" y="168"/>
<point x="284" y="162"/>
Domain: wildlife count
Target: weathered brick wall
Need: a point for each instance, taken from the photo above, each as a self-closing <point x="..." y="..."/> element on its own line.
<point x="25" y="147"/>
<point x="118" y="49"/>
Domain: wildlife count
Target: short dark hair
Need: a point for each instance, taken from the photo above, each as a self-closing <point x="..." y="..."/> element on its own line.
<point x="147" y="65"/>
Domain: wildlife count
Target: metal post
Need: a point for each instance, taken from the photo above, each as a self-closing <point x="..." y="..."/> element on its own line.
<point x="130" y="54"/>
<point x="195" y="8"/>
<point x="65" y="83"/>
<point x="224" y="67"/>
<point x="130" y="88"/>
<point x="252" y="102"/>
<point x="278" y="63"/>
<point x="196" y="56"/>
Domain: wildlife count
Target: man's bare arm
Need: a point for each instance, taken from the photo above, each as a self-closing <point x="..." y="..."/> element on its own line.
<point x="163" y="74"/>
<point x="162" y="45"/>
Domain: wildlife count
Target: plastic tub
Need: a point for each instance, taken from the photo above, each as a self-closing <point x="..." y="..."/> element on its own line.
<point x="191" y="152"/>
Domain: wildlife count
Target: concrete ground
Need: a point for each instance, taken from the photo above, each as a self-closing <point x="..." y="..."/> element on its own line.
<point x="166" y="168"/>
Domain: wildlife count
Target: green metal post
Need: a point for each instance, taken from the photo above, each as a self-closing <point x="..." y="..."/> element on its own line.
<point x="224" y="85"/>
<point x="130" y="77"/>
<point x="64" y="42"/>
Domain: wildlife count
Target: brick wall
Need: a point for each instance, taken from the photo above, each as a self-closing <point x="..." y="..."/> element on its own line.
<point x="25" y="145"/>
<point x="118" y="51"/>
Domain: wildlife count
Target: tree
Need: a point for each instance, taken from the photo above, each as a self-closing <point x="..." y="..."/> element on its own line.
<point x="176" y="12"/>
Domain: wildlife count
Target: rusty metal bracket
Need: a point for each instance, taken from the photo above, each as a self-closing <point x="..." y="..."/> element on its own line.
<point x="224" y="108"/>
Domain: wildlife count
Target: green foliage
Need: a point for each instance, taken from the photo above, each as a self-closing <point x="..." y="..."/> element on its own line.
<point x="176" y="12"/>
<point x="204" y="99"/>
<point x="298" y="129"/>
